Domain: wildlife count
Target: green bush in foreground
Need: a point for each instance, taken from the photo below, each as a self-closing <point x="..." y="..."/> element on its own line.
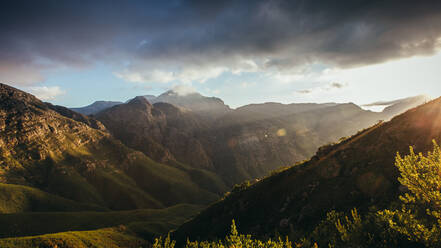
<point x="416" y="223"/>
<point x="419" y="218"/>
<point x="233" y="240"/>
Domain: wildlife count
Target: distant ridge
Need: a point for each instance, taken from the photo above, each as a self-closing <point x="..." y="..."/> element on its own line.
<point x="95" y="107"/>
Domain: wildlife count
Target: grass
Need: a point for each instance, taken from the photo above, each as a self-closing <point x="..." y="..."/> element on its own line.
<point x="18" y="198"/>
<point x="146" y="222"/>
<point x="102" y="238"/>
<point x="92" y="168"/>
<point x="108" y="174"/>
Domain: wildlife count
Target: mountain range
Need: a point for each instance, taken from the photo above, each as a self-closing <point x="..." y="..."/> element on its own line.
<point x="47" y="149"/>
<point x="236" y="144"/>
<point x="152" y="163"/>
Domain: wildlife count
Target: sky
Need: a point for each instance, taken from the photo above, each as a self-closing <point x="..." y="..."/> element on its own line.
<point x="73" y="53"/>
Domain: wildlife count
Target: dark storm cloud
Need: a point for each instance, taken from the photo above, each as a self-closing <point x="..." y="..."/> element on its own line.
<point x="173" y="35"/>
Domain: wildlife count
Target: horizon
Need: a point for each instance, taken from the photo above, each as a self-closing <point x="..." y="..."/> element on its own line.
<point x="378" y="106"/>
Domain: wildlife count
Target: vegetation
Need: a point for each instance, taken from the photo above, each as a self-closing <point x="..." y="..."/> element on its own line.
<point x="416" y="222"/>
<point x="18" y="198"/>
<point x="419" y="217"/>
<point x="102" y="238"/>
<point x="233" y="240"/>
<point x="413" y="221"/>
<point x="146" y="222"/>
<point x="74" y="175"/>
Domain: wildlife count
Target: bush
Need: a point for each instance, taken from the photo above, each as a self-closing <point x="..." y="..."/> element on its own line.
<point x="419" y="218"/>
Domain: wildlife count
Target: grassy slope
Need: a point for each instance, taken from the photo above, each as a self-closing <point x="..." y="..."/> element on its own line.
<point x="110" y="175"/>
<point x="103" y="238"/>
<point x="146" y="222"/>
<point x="17" y="198"/>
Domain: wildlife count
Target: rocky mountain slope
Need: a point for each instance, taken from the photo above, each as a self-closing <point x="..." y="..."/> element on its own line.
<point x="54" y="151"/>
<point x="162" y="131"/>
<point x="357" y="172"/>
<point x="239" y="144"/>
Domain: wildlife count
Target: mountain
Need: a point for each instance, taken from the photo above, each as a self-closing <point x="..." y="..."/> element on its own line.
<point x="400" y="106"/>
<point x="95" y="107"/>
<point x="396" y="107"/>
<point x="356" y="172"/>
<point x="51" y="157"/>
<point x="252" y="140"/>
<point x="235" y="145"/>
<point x="162" y="131"/>
<point x="205" y="106"/>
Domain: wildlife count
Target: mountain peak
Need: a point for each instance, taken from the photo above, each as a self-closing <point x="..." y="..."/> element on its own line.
<point x="176" y="93"/>
<point x="11" y="97"/>
<point x="139" y="100"/>
<point x="9" y="92"/>
<point x="95" y="107"/>
<point x="192" y="100"/>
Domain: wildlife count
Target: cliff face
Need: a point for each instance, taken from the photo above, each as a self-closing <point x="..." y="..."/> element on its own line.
<point x="53" y="149"/>
<point x="31" y="130"/>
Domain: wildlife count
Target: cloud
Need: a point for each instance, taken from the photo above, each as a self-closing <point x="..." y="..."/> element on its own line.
<point x="326" y="88"/>
<point x="338" y="85"/>
<point x="183" y="90"/>
<point x="304" y="91"/>
<point x="156" y="76"/>
<point x="20" y="74"/>
<point x="165" y="41"/>
<point x="245" y="85"/>
<point x="46" y="93"/>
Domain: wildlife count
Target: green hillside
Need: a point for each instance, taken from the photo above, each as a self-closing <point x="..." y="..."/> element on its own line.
<point x="147" y="221"/>
<point x="17" y="199"/>
<point x="103" y="238"/>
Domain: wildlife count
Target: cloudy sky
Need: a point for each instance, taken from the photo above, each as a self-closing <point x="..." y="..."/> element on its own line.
<point x="75" y="52"/>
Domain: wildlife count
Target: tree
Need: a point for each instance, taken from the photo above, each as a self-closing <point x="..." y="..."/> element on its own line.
<point x="420" y="215"/>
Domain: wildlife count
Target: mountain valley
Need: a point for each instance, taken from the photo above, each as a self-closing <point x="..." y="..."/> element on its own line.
<point x="152" y="166"/>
